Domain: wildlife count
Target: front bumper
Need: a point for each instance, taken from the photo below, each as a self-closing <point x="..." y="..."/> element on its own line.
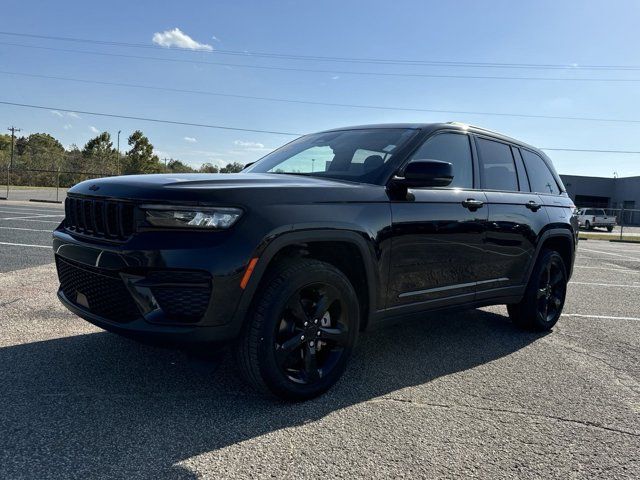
<point x="141" y="330"/>
<point x="181" y="288"/>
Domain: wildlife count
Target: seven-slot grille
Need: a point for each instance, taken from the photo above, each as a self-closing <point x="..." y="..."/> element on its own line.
<point x="100" y="218"/>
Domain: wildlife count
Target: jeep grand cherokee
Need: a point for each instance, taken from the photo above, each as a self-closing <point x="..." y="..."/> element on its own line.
<point x="290" y="259"/>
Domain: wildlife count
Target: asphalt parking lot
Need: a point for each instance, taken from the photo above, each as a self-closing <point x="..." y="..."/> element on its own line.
<point x="446" y="396"/>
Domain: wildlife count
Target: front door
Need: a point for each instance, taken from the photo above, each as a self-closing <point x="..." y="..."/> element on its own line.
<point x="437" y="233"/>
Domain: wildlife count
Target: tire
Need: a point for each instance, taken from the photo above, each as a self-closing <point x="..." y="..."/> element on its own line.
<point x="587" y="225"/>
<point x="544" y="297"/>
<point x="280" y="350"/>
<point x="610" y="229"/>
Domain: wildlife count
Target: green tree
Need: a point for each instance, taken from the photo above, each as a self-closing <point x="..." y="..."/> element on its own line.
<point x="209" y="168"/>
<point x="5" y="142"/>
<point x="99" y="154"/>
<point x="176" y="166"/>
<point x="234" y="167"/>
<point x="140" y="159"/>
<point x="5" y="149"/>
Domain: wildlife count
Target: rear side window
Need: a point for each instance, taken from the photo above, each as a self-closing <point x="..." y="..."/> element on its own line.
<point x="540" y="176"/>
<point x="497" y="170"/>
<point x="453" y="148"/>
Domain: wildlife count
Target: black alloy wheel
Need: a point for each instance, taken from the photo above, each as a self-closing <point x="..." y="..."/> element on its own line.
<point x="543" y="299"/>
<point x="552" y="288"/>
<point x="301" y="330"/>
<point x="312" y="334"/>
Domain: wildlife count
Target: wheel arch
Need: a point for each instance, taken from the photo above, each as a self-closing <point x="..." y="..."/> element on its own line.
<point x="348" y="251"/>
<point x="559" y="239"/>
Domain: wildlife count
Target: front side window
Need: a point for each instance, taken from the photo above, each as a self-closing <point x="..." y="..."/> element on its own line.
<point x="453" y="148"/>
<point x="355" y="155"/>
<point x="497" y="170"/>
<point x="541" y="179"/>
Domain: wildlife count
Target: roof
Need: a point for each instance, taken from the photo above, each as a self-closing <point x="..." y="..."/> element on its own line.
<point x="438" y="126"/>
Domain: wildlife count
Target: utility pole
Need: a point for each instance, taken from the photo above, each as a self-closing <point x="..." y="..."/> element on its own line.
<point x="13" y="131"/>
<point x="118" y="152"/>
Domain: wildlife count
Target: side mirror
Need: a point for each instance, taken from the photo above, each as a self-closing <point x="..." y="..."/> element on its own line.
<point x="427" y="173"/>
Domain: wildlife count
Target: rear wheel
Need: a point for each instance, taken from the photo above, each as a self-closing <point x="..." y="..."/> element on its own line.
<point x="541" y="306"/>
<point x="610" y="228"/>
<point x="301" y="331"/>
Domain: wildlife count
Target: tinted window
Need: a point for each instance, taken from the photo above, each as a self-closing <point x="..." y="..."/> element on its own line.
<point x="453" y="148"/>
<point x="540" y="177"/>
<point x="360" y="155"/>
<point x="497" y="170"/>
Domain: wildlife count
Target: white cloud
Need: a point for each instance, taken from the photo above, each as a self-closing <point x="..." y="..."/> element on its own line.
<point x="67" y="126"/>
<point x="94" y="129"/>
<point x="249" y="147"/>
<point x="190" y="139"/>
<point x="68" y="114"/>
<point x="242" y="143"/>
<point x="177" y="38"/>
<point x="213" y="37"/>
<point x="335" y="77"/>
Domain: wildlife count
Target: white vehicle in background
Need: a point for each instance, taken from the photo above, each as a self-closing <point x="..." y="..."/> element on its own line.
<point x="591" y="218"/>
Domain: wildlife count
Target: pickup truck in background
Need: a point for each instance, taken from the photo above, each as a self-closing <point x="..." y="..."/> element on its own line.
<point x="591" y="218"/>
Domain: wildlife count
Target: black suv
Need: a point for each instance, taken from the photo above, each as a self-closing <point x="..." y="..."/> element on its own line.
<point x="334" y="232"/>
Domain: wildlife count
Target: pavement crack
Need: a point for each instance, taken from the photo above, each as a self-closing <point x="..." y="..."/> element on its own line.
<point x="4" y="304"/>
<point x="584" y="423"/>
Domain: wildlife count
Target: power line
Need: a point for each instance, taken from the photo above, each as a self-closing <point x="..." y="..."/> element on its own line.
<point x="148" y="119"/>
<point x="309" y="102"/>
<point x="383" y="61"/>
<point x="629" y="152"/>
<point x="330" y="72"/>
<point x="190" y="124"/>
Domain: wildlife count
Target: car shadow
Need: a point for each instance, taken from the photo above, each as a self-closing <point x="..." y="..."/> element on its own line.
<point x="101" y="405"/>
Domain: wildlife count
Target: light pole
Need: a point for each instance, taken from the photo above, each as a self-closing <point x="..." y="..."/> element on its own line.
<point x="118" y="152"/>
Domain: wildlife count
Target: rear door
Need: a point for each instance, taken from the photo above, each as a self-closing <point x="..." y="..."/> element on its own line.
<point x="515" y="217"/>
<point x="437" y="233"/>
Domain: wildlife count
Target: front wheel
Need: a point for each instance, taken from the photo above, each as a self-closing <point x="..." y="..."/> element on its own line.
<point x="587" y="225"/>
<point x="541" y="306"/>
<point x="610" y="229"/>
<point x="301" y="330"/>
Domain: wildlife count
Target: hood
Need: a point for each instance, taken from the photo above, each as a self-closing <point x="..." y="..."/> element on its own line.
<point x="231" y="188"/>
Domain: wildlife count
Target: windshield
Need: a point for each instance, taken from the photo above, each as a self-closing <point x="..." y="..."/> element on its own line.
<point x="355" y="155"/>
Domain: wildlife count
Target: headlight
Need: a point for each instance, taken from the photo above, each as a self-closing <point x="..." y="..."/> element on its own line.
<point x="191" y="217"/>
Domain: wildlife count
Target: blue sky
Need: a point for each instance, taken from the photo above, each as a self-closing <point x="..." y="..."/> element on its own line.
<point x="541" y="32"/>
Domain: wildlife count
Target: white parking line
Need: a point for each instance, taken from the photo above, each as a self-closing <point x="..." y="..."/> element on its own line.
<point x="27" y="212"/>
<point x="608" y="253"/>
<point x="27" y="229"/>
<point x="36" y="220"/>
<point x="621" y="259"/>
<point x="604" y="284"/>
<point x="25" y="245"/>
<point x="619" y="270"/>
<point x="605" y="317"/>
<point x="620" y="267"/>
<point x="30" y="216"/>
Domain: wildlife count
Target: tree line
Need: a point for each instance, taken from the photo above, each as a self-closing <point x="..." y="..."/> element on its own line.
<point x="41" y="160"/>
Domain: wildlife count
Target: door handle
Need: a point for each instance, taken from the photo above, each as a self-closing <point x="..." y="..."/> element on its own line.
<point x="472" y="204"/>
<point x="533" y="206"/>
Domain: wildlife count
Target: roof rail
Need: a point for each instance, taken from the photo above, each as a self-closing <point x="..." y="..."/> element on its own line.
<point x="462" y="124"/>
